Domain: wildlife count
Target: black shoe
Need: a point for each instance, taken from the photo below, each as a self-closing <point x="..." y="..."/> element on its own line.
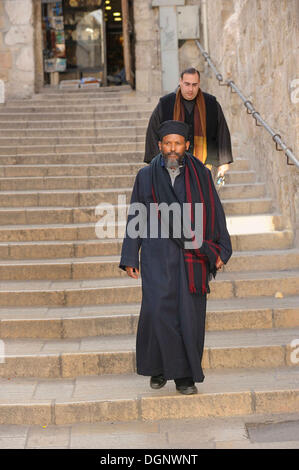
<point x="157" y="381"/>
<point x="187" y="390"/>
<point x="186" y="386"/>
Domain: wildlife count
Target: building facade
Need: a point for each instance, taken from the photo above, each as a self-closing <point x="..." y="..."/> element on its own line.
<point x="43" y="42"/>
<point x="252" y="42"/>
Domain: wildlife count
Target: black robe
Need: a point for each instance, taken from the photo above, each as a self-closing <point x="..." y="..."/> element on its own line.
<point x="223" y="149"/>
<point x="171" y="327"/>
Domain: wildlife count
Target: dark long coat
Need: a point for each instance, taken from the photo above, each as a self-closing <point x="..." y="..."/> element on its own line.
<point x="171" y="328"/>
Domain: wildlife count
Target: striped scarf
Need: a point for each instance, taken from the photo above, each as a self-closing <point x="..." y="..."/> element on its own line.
<point x="200" y="136"/>
<point x="200" y="262"/>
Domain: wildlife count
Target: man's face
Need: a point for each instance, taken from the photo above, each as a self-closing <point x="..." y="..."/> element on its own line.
<point x="189" y="85"/>
<point x="173" y="148"/>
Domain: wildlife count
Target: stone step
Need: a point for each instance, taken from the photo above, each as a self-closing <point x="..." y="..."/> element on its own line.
<point x="89" y="214"/>
<point x="81" y="117"/>
<point x="126" y="290"/>
<point x="86" y="159"/>
<point x="90" y="182"/>
<point x="57" y="242"/>
<point x="107" y="266"/>
<point x="78" y="124"/>
<point x="81" y="95"/>
<point x="87" y="169"/>
<point x="52" y="90"/>
<point x="117" y="398"/>
<point x="75" y="158"/>
<point x="70" y="358"/>
<point x="72" y="148"/>
<point x="121" y="168"/>
<point x="250" y="431"/>
<point x="79" y="109"/>
<point x="67" y="198"/>
<point x="71" y="182"/>
<point x="256" y="313"/>
<point x="50" y="141"/>
<point x="102" y="105"/>
<point x="81" y="238"/>
<point x="66" y="102"/>
<point x="15" y="137"/>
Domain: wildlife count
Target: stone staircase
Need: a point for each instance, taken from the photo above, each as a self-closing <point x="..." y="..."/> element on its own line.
<point x="68" y="314"/>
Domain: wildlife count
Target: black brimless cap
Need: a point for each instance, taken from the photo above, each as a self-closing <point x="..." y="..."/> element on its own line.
<point x="173" y="127"/>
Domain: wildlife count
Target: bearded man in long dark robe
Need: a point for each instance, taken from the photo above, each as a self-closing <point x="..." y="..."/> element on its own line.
<point x="175" y="275"/>
<point x="209" y="135"/>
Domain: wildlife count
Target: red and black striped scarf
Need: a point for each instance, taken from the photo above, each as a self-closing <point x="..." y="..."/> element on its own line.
<point x="200" y="262"/>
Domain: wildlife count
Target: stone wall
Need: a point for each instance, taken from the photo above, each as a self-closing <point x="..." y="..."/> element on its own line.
<point x="147" y="48"/>
<point x="188" y="51"/>
<point x="148" y="52"/>
<point x="16" y="47"/>
<point x="253" y="42"/>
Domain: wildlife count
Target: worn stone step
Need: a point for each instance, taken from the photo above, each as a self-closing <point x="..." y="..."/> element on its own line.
<point x="84" y="100"/>
<point x="254" y="431"/>
<point x="71" y="182"/>
<point x="90" y="214"/>
<point x="50" y="141"/>
<point x="64" y="198"/>
<point x="255" y="313"/>
<point x="124" y="290"/>
<point x="64" y="246"/>
<point x="99" y="169"/>
<point x="119" y="203"/>
<point x="89" y="182"/>
<point x="74" y="158"/>
<point x="22" y="136"/>
<point x="72" y="148"/>
<point x="71" y="124"/>
<point x="254" y="224"/>
<point x="70" y="358"/>
<point x="78" y="117"/>
<point x="52" y="90"/>
<point x="66" y="92"/>
<point x="83" y="237"/>
<point x="107" y="266"/>
<point x="87" y="169"/>
<point x="72" y="103"/>
<point x="31" y="109"/>
<point x="118" y="398"/>
<point x="86" y="159"/>
<point x="67" y="198"/>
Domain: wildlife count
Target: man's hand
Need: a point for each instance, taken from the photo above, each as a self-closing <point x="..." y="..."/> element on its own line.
<point x="132" y="272"/>
<point x="222" y="169"/>
<point x="219" y="263"/>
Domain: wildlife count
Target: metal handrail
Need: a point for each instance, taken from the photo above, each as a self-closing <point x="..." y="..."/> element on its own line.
<point x="250" y="109"/>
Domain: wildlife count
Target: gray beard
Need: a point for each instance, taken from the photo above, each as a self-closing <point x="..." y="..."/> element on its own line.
<point x="173" y="162"/>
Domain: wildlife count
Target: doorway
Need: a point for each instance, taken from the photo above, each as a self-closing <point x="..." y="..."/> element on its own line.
<point x="84" y="41"/>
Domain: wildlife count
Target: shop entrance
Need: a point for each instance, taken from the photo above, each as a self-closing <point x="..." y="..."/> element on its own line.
<point x="87" y="41"/>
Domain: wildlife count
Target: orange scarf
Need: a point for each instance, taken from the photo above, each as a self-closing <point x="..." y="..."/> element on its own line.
<point x="200" y="136"/>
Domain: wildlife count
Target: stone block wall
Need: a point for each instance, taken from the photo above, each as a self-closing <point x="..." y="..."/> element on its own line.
<point x="147" y="48"/>
<point x="253" y="42"/>
<point x="17" y="68"/>
<point x="148" y="51"/>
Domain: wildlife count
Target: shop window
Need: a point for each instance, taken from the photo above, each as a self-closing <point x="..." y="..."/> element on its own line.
<point x="73" y="37"/>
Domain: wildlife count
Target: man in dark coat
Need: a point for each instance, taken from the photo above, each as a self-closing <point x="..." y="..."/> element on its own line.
<point x="208" y="131"/>
<point x="175" y="276"/>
